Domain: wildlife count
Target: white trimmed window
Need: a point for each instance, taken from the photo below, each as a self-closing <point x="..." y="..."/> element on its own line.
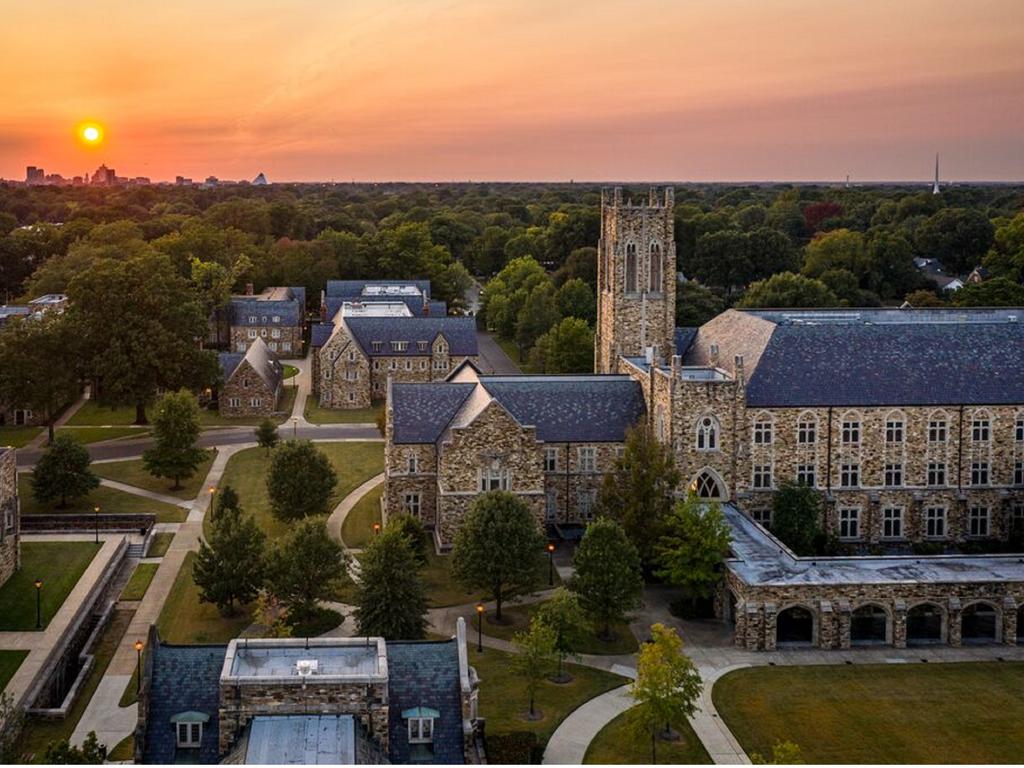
<point x="252" y="333"/>
<point x="256" y="402"/>
<point x="276" y="318"/>
<point x="587" y="499"/>
<point x="762" y="432"/>
<point x="1018" y="430"/>
<point x="351" y="375"/>
<point x="894" y="431"/>
<point x="980" y="430"/>
<point x="935" y="522"/>
<point x="936" y="473"/>
<point x="893" y="475"/>
<point x="189" y="735"/>
<point x="376" y="346"/>
<point x="979" y="473"/>
<point x="937" y="431"/>
<point x="286" y="346"/>
<point x="376" y="365"/>
<point x="273" y="346"/>
<point x="849" y="523"/>
<point x="550" y="506"/>
<point x="412" y="504"/>
<point x="588" y="459"/>
<point x="252" y="319"/>
<point x="275" y="333"/>
<point x="707" y="434"/>
<point x="412" y="463"/>
<point x="805" y="475"/>
<point x="351" y="355"/>
<point x="892" y="523"/>
<point x="421" y="730"/>
<point x="494" y="478"/>
<point x="762" y="476"/>
<point x="351" y="397"/>
<point x="235" y="402"/>
<point x="851" y="432"/>
<point x="1017" y="518"/>
<point x="550" y="459"/>
<point x="849" y="475"/>
<point x="978" y="521"/>
<point x="421" y="346"/>
<point x="9" y="517"/>
<point x="807" y="432"/>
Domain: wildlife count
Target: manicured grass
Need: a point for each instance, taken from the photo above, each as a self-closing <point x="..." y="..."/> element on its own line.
<point x="141" y="578"/>
<point x="159" y="543"/>
<point x="124" y="751"/>
<point x="87" y="435"/>
<point x="443" y="590"/>
<point x="504" y="701"/>
<point x="511" y="349"/>
<point x="289" y="371"/>
<point x="247" y="471"/>
<point x="517" y="619"/>
<point x="16" y="437"/>
<point x="39" y="733"/>
<point x="357" y="530"/>
<point x="132" y="472"/>
<point x="109" y="500"/>
<point x="185" y="620"/>
<point x="9" y="663"/>
<point x="618" y="744"/>
<point x="92" y="414"/>
<point x="59" y="564"/>
<point x="212" y="418"/>
<point x="914" y="713"/>
<point x="317" y="415"/>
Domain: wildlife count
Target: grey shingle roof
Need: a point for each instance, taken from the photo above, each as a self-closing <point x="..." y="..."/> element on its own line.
<point x="320" y="333"/>
<point x="683" y="339"/>
<point x="460" y="333"/>
<point x="421" y="411"/>
<point x="414" y="303"/>
<point x="185" y="678"/>
<point x="877" y="361"/>
<point x="425" y="674"/>
<point x="290" y="309"/>
<point x="263" y="362"/>
<point x="350" y="289"/>
<point x="228" y="363"/>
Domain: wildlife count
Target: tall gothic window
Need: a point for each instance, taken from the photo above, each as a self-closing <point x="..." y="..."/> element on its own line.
<point x="631" y="268"/>
<point x="655" y="268"/>
<point x="707" y="434"/>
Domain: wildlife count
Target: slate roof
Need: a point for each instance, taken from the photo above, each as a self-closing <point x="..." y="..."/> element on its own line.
<point x="460" y="333"/>
<point x="263" y="362"/>
<point x="320" y="333"/>
<point x="683" y="339"/>
<point x="291" y="309"/>
<point x="228" y="363"/>
<point x="350" y="289"/>
<point x="185" y="678"/>
<point x="931" y="359"/>
<point x="425" y="674"/>
<point x="414" y="303"/>
<point x="421" y="411"/>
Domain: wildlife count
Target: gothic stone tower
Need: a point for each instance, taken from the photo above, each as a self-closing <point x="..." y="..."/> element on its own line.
<point x="636" y="278"/>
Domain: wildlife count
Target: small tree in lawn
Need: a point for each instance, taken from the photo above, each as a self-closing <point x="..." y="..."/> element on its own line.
<point x="390" y="601"/>
<point x="266" y="434"/>
<point x="783" y="753"/>
<point x="90" y="753"/>
<point x="564" y="614"/>
<point x="63" y="472"/>
<point x="176" y="429"/>
<point x="666" y="688"/>
<point x="796" y="517"/>
<point x="412" y="529"/>
<point x="269" y="615"/>
<point x="499" y="547"/>
<point x="230" y="567"/>
<point x="301" y="480"/>
<point x="696" y="541"/>
<point x="638" y="490"/>
<point x="607" y="575"/>
<point x="535" y="659"/>
<point x="307" y="566"/>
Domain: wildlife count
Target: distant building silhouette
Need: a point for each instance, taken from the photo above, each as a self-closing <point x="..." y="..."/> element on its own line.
<point x="935" y="185"/>
<point x="260" y="180"/>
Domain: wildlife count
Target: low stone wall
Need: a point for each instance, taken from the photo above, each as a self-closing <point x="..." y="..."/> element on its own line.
<point x="107" y="523"/>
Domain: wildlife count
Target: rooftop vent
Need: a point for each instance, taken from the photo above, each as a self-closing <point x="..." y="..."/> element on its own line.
<point x="306" y="667"/>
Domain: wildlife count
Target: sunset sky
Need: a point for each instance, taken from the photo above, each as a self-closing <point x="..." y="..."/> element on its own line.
<point x="533" y="89"/>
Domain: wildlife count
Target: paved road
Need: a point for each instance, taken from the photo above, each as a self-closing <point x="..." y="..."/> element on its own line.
<point x="130" y="448"/>
<point x="492" y="357"/>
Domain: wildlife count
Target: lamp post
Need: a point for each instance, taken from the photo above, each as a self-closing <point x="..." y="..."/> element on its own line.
<point x="38" y="584"/>
<point x="551" y="564"/>
<point x="138" y="667"/>
<point x="212" y="490"/>
<point x="96" y="520"/>
<point x="376" y="529"/>
<point x="479" y="627"/>
<point x="295" y="427"/>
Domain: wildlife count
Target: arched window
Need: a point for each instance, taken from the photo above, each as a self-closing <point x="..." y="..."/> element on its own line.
<point x="707" y="485"/>
<point x="707" y="433"/>
<point x="631" y="268"/>
<point x="655" y="282"/>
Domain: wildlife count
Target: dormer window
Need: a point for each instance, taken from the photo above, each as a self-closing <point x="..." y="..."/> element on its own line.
<point x="399" y="346"/>
<point x="252" y="319"/>
<point x="422" y="346"/>
<point x="421" y="730"/>
<point x="277" y="318"/>
<point x="377" y="346"/>
<point x="188" y="729"/>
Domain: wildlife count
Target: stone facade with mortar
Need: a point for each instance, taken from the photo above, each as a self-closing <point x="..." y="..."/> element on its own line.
<point x="246" y="394"/>
<point x="10" y="515"/>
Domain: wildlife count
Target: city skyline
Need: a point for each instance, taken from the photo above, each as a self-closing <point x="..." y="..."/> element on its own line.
<point x="737" y="91"/>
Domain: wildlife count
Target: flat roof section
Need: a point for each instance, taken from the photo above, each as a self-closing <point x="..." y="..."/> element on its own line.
<point x="296" y="660"/>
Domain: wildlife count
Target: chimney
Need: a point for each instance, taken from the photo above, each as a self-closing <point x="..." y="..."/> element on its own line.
<point x="677" y="362"/>
<point x="249" y="289"/>
<point x="649" y="355"/>
<point x="738" y="365"/>
<point x="713" y="355"/>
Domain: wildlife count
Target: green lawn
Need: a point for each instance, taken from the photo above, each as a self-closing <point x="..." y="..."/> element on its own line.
<point x="59" y="565"/>
<point x="107" y="499"/>
<point x="517" y="619"/>
<point x="141" y="578"/>
<point x="185" y="620"/>
<point x="884" y="713"/>
<point x="124" y="751"/>
<point x="16" y="437"/>
<point x="159" y="543"/>
<point x="133" y="473"/>
<point x="511" y="349"/>
<point x="357" y="529"/>
<point x="247" y="470"/>
<point x="88" y="435"/>
<point x="9" y="663"/>
<point x="212" y="418"/>
<point x="443" y="590"/>
<point x="289" y="371"/>
<point x="38" y="733"/>
<point x="504" y="701"/>
<point x="618" y="744"/>
<point x="93" y="415"/>
<point x="317" y="415"/>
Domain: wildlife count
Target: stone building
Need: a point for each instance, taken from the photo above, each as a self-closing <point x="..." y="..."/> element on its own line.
<point x="548" y="439"/>
<point x="369" y="342"/>
<point x="287" y="701"/>
<point x="252" y="382"/>
<point x="415" y="294"/>
<point x="277" y="316"/>
<point x="10" y="515"/>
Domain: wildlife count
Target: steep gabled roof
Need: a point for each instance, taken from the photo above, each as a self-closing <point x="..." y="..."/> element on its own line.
<point x="684" y="338"/>
<point x="460" y="333"/>
<point x="421" y="411"/>
<point x="263" y="362"/>
<point x="287" y="303"/>
<point x="320" y="333"/>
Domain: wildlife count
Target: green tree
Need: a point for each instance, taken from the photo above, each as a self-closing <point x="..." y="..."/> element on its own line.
<point x="796" y="517"/>
<point x="307" y="566"/>
<point x="722" y="259"/>
<point x="783" y="753"/>
<point x="891" y="269"/>
<point x="787" y="290"/>
<point x="606" y="574"/>
<point x="535" y="658"/>
<point x="838" y="249"/>
<point x="175" y="454"/>
<point x="1006" y="258"/>
<point x="62" y="472"/>
<point x="539" y="313"/>
<point x="504" y="296"/>
<point x="415" y="534"/>
<point x="997" y="292"/>
<point x="499" y="548"/>
<point x="667" y="686"/>
<point x="568" y="347"/>
<point x="564" y="614"/>
<point x="576" y="299"/>
<point x="957" y="237"/>
<point x="638" y="490"/>
<point x="390" y="600"/>
<point x="922" y="298"/>
<point x="230" y="566"/>
<point x="300" y="481"/>
<point x="266" y="434"/>
<point x="695" y="304"/>
<point x="30" y="375"/>
<point x="695" y="543"/>
<point x="90" y="753"/>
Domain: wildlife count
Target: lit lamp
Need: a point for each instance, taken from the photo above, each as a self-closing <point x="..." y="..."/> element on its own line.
<point x="96" y="519"/>
<point x="551" y="564"/>
<point x="295" y="427"/>
<point x="479" y="627"/>
<point x="376" y="528"/>
<point x="138" y="667"/>
<point x="38" y="584"/>
<point x="212" y="491"/>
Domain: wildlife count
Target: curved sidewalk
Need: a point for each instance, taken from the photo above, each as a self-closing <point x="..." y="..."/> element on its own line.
<point x="568" y="744"/>
<point x="337" y="517"/>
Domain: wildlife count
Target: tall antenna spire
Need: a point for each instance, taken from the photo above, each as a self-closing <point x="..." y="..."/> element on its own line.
<point x="935" y="186"/>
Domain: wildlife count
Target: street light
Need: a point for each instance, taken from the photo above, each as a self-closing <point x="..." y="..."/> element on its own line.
<point x="295" y="427"/>
<point x="138" y="667"/>
<point x="376" y="528"/>
<point x="38" y="584"/>
<point x="551" y="564"/>
<point x="96" y="518"/>
<point x="479" y="627"/>
<point x="212" y="490"/>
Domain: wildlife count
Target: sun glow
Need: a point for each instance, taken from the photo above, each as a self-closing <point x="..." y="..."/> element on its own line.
<point x="91" y="133"/>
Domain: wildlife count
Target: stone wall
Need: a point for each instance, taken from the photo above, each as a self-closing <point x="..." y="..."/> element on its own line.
<point x="284" y="340"/>
<point x="568" y="488"/>
<point x="10" y="516"/>
<point x="246" y="385"/>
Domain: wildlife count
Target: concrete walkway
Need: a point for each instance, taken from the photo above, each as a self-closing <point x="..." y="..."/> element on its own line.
<point x="569" y="742"/>
<point x="39" y="441"/>
<point x="303" y="383"/>
<point x="337" y="517"/>
<point x="105" y="715"/>
<point x="151" y="495"/>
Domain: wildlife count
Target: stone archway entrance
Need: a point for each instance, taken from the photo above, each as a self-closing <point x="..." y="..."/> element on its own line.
<point x="978" y="624"/>
<point x="924" y="624"/>
<point x="869" y="625"/>
<point x="794" y="626"/>
<point x="708" y="485"/>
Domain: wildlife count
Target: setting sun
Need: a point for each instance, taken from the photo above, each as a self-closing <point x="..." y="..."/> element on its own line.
<point x="91" y="133"/>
